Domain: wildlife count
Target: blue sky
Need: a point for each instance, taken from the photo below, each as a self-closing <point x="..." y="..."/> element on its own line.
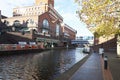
<point x="67" y="9"/>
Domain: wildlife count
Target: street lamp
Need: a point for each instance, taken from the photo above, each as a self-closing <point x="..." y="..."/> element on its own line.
<point x="118" y="42"/>
<point x="118" y="36"/>
<point x="52" y="46"/>
<point x="44" y="40"/>
<point x="67" y="43"/>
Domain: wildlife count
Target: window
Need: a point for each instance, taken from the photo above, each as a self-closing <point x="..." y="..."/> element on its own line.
<point x="16" y="23"/>
<point x="45" y="26"/>
<point x="44" y="31"/>
<point x="57" y="30"/>
<point x="45" y="23"/>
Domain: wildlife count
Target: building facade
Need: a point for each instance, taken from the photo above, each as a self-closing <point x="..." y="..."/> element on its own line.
<point x="0" y="15"/>
<point x="69" y="34"/>
<point x="43" y="19"/>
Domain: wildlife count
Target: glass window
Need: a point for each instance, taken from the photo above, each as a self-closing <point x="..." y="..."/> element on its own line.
<point x="57" y="29"/>
<point x="44" y="31"/>
<point x="45" y="23"/>
<point x="16" y="23"/>
<point x="45" y="26"/>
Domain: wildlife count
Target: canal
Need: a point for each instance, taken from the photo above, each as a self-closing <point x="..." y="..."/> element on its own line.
<point x="46" y="65"/>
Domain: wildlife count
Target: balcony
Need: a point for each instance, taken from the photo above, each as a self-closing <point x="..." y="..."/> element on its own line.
<point x="45" y="27"/>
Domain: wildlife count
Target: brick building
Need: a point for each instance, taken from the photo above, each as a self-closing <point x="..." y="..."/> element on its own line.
<point x="68" y="34"/>
<point x="0" y="15"/>
<point x="43" y="19"/>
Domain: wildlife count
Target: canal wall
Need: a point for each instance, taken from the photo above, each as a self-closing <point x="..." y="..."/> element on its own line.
<point x="68" y="74"/>
<point x="22" y="51"/>
<point x="29" y="50"/>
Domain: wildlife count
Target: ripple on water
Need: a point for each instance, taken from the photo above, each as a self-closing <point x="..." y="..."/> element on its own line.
<point x="39" y="66"/>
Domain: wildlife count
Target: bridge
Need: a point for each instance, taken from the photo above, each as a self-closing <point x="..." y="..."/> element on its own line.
<point x="82" y="42"/>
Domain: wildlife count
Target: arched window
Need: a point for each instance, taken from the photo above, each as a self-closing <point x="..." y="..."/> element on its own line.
<point x="45" y="26"/>
<point x="45" y="23"/>
<point x="16" y="23"/>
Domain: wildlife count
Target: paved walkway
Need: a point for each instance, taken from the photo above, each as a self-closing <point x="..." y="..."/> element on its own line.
<point x="114" y="64"/>
<point x="90" y="70"/>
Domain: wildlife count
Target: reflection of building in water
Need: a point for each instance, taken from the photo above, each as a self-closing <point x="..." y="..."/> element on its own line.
<point x="44" y="19"/>
<point x="42" y="66"/>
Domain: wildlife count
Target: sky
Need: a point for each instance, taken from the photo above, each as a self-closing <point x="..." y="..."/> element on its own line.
<point x="67" y="9"/>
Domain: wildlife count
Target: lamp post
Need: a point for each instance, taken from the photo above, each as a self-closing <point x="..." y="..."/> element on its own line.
<point x="118" y="36"/>
<point x="118" y="43"/>
<point x="67" y="43"/>
<point x="52" y="46"/>
<point x="44" y="40"/>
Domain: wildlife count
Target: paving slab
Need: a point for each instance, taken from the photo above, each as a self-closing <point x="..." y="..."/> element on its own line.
<point x="90" y="70"/>
<point x="114" y="64"/>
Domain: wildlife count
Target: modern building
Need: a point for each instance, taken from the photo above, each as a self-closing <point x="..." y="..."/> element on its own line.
<point x="43" y="19"/>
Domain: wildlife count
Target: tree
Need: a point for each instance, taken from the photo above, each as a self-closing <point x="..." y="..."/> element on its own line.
<point x="102" y="15"/>
<point x="99" y="13"/>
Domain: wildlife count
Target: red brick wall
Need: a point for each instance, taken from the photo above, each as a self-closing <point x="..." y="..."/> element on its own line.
<point x="52" y="30"/>
<point x="109" y="45"/>
<point x="71" y="33"/>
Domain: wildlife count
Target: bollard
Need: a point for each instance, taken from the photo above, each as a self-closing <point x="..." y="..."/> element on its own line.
<point x="102" y="54"/>
<point x="105" y="62"/>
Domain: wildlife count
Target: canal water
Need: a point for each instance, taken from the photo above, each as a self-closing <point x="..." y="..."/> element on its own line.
<point x="46" y="65"/>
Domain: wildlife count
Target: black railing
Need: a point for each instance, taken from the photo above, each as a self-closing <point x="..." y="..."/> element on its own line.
<point x="45" y="27"/>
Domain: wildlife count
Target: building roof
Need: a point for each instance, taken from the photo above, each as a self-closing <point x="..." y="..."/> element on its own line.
<point x="70" y="28"/>
<point x="3" y="16"/>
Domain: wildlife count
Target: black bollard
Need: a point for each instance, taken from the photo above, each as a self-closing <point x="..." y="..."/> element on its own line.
<point x="102" y="55"/>
<point x="105" y="62"/>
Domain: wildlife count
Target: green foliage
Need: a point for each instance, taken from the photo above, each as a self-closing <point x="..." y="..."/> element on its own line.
<point x="100" y="13"/>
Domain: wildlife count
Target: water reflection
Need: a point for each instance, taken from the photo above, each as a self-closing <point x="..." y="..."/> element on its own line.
<point x="39" y="66"/>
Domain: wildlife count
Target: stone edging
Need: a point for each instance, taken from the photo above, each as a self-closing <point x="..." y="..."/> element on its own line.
<point x="67" y="75"/>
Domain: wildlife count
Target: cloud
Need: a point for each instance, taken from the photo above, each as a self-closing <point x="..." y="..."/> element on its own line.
<point x="20" y="2"/>
<point x="73" y="21"/>
<point x="7" y="6"/>
<point x="59" y="1"/>
<point x="57" y="7"/>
